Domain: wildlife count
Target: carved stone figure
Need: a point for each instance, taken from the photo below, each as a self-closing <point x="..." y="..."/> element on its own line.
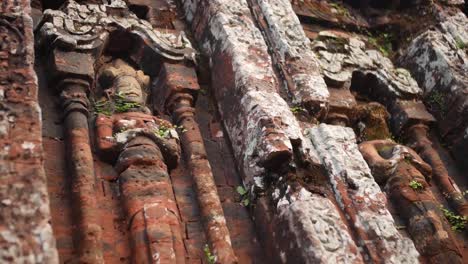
<point x="405" y="177"/>
<point x="146" y="147"/>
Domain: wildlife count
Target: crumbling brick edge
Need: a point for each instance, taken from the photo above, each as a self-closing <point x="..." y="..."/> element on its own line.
<point x="25" y="231"/>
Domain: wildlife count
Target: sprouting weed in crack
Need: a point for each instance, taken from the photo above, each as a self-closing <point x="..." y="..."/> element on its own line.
<point x="297" y="109"/>
<point x="457" y="222"/>
<point x="209" y="256"/>
<point x="102" y="106"/>
<point x="415" y="185"/>
<point x="436" y="101"/>
<point x="162" y="132"/>
<point x="460" y="44"/>
<point x="122" y="105"/>
<point x="245" y="200"/>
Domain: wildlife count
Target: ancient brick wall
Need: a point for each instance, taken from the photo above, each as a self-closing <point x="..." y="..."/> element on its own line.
<point x="246" y="131"/>
<point x="26" y="234"/>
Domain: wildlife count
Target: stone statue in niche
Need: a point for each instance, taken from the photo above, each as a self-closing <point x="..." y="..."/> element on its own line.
<point x="144" y="148"/>
<point x="123" y="115"/>
<point x="405" y="177"/>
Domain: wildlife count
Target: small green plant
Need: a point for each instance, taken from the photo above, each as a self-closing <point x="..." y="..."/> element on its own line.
<point x="457" y="222"/>
<point x="437" y="100"/>
<point x="209" y="256"/>
<point x="383" y="42"/>
<point x="121" y="105"/>
<point x="460" y="44"/>
<point x="103" y="107"/>
<point x="297" y="109"/>
<point x="244" y="195"/>
<point x="162" y="132"/>
<point x="415" y="185"/>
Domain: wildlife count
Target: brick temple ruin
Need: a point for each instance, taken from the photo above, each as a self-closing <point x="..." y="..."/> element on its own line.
<point x="233" y="131"/>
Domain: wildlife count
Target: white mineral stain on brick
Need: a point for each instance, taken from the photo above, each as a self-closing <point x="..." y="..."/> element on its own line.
<point x="340" y="154"/>
<point x="28" y="145"/>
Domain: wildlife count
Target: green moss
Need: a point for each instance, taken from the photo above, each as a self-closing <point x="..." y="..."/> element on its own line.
<point x="121" y="105"/>
<point x="102" y="107"/>
<point x="162" y="132"/>
<point x="437" y="101"/>
<point x="297" y="109"/>
<point x="118" y="105"/>
<point x="460" y="44"/>
<point x="383" y="42"/>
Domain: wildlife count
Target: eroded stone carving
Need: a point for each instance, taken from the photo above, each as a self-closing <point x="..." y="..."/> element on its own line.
<point x="341" y="57"/>
<point x="26" y="234"/>
<point x="142" y="147"/>
<point x="405" y="177"/>
<point x="174" y="92"/>
<point x="319" y="233"/>
<point x="146" y="148"/>
<point x="438" y="60"/>
<point x="86" y="27"/>
<point x="359" y="196"/>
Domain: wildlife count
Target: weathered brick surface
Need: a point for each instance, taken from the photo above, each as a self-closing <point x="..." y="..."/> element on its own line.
<point x="174" y="91"/>
<point x="404" y="175"/>
<point x="437" y="59"/>
<point x="312" y="199"/>
<point x="345" y="58"/>
<point x="360" y="197"/>
<point x="291" y="51"/>
<point x="244" y="237"/>
<point x="258" y="121"/>
<point x="25" y="231"/>
<point x="312" y="230"/>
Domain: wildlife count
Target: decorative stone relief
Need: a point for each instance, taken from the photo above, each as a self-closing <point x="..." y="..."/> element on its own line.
<point x="359" y="196"/>
<point x="341" y="57"/>
<point x="438" y="60"/>
<point x="405" y="177"/>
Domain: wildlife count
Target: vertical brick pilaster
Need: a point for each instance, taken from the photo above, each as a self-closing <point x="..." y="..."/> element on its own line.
<point x="25" y="230"/>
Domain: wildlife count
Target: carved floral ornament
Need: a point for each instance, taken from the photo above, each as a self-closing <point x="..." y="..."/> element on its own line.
<point x="87" y="27"/>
